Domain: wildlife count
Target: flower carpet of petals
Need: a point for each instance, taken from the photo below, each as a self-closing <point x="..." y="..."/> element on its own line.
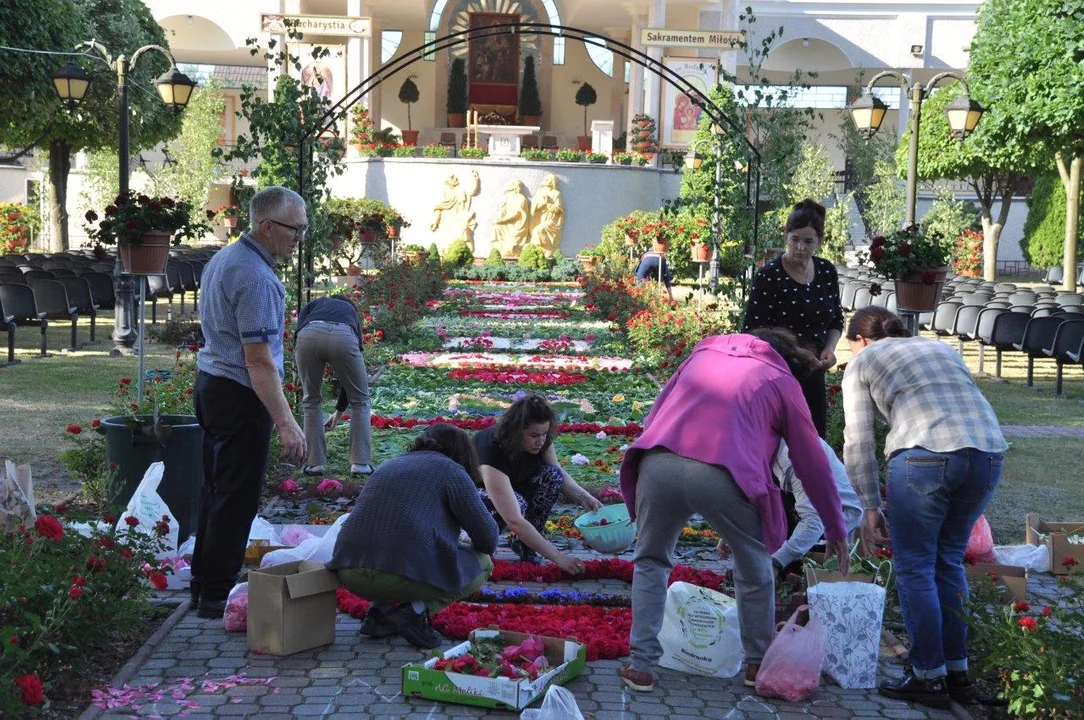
<point x="526" y="345"/>
<point x="605" y="631"/>
<point x="493" y="360"/>
<point x="553" y="613"/>
<point x="513" y="314"/>
<point x="518" y="377"/>
<point x="380" y="422"/>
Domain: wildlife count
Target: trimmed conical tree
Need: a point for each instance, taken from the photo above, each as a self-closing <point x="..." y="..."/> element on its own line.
<point x="457" y="88"/>
<point x="530" y="104"/>
<point x="408" y="94"/>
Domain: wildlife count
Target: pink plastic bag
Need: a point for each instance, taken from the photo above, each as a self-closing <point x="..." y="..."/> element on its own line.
<point x="235" y="617"/>
<point x="791" y="669"/>
<point x="980" y="547"/>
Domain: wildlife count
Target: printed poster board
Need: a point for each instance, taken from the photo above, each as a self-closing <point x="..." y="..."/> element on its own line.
<point x="677" y="126"/>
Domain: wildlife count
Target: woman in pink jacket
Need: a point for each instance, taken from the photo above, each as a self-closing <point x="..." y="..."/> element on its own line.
<point x="707" y="448"/>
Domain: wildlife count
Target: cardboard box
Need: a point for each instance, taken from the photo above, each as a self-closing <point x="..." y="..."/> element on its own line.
<point x="1014" y="578"/>
<point x="567" y="659"/>
<point x="1055" y="535"/>
<point x="291" y="607"/>
<point x="256" y="549"/>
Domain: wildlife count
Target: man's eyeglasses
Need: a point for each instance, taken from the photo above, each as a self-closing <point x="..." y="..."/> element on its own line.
<point x="298" y="231"/>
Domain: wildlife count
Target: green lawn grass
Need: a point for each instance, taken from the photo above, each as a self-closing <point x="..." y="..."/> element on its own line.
<point x="1042" y="475"/>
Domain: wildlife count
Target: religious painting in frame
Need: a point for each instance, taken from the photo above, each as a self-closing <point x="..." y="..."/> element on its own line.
<point x="493" y="62"/>
<point x="677" y="126"/>
<point x="326" y="74"/>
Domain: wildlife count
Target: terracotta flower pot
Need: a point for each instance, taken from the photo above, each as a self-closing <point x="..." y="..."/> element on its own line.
<point x="149" y="256"/>
<point x="457" y="120"/>
<point x="920" y="291"/>
<point x="410" y="137"/>
<point x="660" y="247"/>
<point x="230" y="222"/>
<point x="367" y="237"/>
<point x="584" y="142"/>
<point x="700" y="252"/>
<point x="629" y="239"/>
<point x="392" y="231"/>
<point x="588" y="262"/>
<point x="529" y="120"/>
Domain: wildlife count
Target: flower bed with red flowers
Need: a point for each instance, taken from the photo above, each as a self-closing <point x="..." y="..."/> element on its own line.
<point x="67" y="596"/>
<point x="604" y="630"/>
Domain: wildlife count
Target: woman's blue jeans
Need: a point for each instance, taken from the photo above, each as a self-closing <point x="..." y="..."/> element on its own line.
<point x="934" y="500"/>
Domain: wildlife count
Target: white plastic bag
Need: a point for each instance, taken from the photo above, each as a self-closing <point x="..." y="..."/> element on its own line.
<point x="851" y="613"/>
<point x="235" y="616"/>
<point x="558" y="704"/>
<point x="304" y="551"/>
<point x="148" y="507"/>
<point x="1035" y="558"/>
<point x="263" y="530"/>
<point x="16" y="496"/>
<point x="700" y="632"/>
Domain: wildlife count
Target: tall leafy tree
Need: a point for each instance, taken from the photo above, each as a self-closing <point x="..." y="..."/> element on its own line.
<point x="994" y="171"/>
<point x="1027" y="68"/>
<point x="31" y="113"/>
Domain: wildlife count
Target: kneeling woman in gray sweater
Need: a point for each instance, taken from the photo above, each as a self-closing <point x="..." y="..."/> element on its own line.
<point x="400" y="546"/>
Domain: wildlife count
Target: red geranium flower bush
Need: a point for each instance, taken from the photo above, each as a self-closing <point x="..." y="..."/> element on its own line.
<point x="906" y="251"/>
<point x="65" y="596"/>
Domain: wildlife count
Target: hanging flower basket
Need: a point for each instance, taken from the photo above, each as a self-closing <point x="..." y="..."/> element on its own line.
<point x="147" y="257"/>
<point x="919" y="291"/>
<point x="630" y="239"/>
<point x="700" y="252"/>
<point x="392" y="231"/>
<point x="368" y="237"/>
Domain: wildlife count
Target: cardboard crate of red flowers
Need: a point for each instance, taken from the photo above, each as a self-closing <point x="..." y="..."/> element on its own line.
<point x="496" y="668"/>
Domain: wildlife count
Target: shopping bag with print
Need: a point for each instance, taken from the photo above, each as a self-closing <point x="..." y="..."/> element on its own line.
<point x="851" y="613"/>
<point x="700" y="632"/>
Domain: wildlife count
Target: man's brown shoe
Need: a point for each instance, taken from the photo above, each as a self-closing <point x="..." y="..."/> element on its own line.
<point x="637" y="680"/>
<point x="751" y="671"/>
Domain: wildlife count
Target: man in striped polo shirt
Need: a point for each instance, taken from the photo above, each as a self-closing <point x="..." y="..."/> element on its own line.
<point x="239" y="388"/>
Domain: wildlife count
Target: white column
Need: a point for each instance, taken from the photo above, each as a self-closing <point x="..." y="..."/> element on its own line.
<point x="656" y="18"/>
<point x="903" y="119"/>
<point x="728" y="20"/>
<point x="354" y="73"/>
<point x="617" y="85"/>
<point x="636" y="75"/>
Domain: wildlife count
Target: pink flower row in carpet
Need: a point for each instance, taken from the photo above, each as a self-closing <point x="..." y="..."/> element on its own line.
<point x="514" y="299"/>
<point x="502" y="360"/>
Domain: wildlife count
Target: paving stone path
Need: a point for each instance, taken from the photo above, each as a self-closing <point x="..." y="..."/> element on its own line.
<point x="1046" y="431"/>
<point x="360" y="677"/>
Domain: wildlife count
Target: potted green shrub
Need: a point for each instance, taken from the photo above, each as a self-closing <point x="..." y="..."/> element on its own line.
<point x="457" y="94"/>
<point x="408" y="95"/>
<point x="530" y="104"/>
<point x="413" y="254"/>
<point x="585" y="96"/>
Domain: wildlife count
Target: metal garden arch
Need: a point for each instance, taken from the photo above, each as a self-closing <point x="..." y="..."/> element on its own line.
<point x="731" y="131"/>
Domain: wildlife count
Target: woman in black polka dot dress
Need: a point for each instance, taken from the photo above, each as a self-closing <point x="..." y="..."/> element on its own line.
<point x="800" y="292"/>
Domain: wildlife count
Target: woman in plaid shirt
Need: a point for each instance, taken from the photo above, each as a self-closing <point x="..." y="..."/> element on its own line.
<point x="944" y="453"/>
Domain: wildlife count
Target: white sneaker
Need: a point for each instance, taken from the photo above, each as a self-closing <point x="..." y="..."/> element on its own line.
<point x="361" y="469"/>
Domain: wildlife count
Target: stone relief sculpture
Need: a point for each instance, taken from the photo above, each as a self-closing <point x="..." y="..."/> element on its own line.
<point x="453" y="217"/>
<point x="547" y="216"/>
<point x="511" y="227"/>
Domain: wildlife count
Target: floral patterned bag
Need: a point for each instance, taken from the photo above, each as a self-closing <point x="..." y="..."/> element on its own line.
<point x="851" y="613"/>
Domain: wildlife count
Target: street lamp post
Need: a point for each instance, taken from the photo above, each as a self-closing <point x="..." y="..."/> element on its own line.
<point x="869" y="111"/>
<point x="175" y="88"/>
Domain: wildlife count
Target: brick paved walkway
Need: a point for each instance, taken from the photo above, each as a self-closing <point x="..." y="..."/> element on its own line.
<point x="360" y="677"/>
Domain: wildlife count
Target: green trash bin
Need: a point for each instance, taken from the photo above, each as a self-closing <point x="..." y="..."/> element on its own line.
<point x="133" y="445"/>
